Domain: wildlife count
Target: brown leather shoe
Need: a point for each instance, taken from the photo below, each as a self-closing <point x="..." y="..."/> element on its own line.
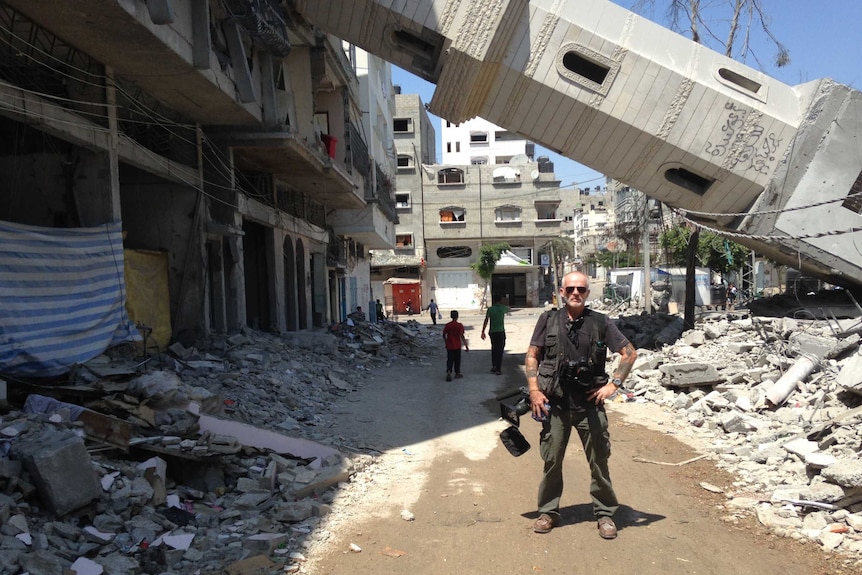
<point x="545" y="523"/>
<point x="607" y="528"/>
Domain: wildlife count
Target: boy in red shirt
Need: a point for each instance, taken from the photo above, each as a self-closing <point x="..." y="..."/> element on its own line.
<point x="453" y="335"/>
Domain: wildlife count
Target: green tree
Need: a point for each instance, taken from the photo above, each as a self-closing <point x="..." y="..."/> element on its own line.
<point x="489" y="255"/>
<point x="713" y="251"/>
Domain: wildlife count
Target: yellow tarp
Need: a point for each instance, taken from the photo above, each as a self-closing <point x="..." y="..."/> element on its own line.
<point x="147" y="297"/>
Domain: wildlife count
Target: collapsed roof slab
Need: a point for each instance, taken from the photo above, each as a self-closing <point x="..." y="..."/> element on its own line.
<point x="739" y="151"/>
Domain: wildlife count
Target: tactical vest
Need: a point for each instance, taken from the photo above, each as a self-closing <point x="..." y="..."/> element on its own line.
<point x="555" y="350"/>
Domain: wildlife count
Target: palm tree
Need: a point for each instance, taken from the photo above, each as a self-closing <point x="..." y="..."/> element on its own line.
<point x="489" y="255"/>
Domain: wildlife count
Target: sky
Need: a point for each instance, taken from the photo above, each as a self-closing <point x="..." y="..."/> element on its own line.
<point x="823" y="42"/>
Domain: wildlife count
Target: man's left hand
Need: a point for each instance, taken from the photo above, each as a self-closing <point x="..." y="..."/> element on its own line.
<point x="598" y="396"/>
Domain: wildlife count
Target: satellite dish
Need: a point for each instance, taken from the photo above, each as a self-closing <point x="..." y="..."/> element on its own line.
<point x="519" y="159"/>
<point x="534" y="174"/>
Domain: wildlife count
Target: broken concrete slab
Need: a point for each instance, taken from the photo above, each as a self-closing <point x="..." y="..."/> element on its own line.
<point x="692" y="374"/>
<point x="265" y="439"/>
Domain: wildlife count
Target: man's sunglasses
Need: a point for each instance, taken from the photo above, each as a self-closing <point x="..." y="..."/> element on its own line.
<point x="571" y="289"/>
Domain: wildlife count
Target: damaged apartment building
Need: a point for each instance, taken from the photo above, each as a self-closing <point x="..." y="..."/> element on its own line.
<point x="235" y="158"/>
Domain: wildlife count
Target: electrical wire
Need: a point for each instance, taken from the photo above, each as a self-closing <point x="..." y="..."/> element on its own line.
<point x="768" y="238"/>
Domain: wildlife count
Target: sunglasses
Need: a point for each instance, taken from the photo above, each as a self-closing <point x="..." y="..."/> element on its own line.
<point x="571" y="289"/>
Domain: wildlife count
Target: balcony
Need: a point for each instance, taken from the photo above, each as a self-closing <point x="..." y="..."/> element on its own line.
<point x="306" y="167"/>
<point x="178" y="64"/>
<point x="374" y="225"/>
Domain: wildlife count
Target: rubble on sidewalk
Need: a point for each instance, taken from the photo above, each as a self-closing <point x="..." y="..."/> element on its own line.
<point x="219" y="462"/>
<point x="777" y="399"/>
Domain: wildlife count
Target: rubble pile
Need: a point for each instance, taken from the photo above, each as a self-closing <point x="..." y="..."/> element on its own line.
<point x="777" y="400"/>
<point x="185" y="469"/>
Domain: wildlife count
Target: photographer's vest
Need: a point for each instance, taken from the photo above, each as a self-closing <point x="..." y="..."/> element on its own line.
<point x="555" y="349"/>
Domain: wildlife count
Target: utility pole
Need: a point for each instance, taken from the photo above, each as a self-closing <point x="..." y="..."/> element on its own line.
<point x="553" y="262"/>
<point x="647" y="275"/>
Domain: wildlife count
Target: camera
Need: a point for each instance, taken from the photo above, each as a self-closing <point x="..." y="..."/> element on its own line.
<point x="577" y="373"/>
<point x="513" y="405"/>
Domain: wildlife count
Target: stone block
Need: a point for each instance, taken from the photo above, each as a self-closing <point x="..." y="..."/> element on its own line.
<point x="689" y="374"/>
<point x="327" y="477"/>
<point x="62" y="472"/>
<point x="801" y="447"/>
<point x="846" y="473"/>
<point x="694" y="338"/>
<point x="264" y="543"/>
<point x="851" y="372"/>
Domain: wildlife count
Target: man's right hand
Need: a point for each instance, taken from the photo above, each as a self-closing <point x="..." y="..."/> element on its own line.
<point x="537" y="403"/>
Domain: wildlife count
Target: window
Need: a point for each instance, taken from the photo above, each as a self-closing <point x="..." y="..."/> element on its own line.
<point x="454" y="252"/>
<point x="546" y="211"/>
<point x="457" y="147"/>
<point x="478" y="138"/>
<point x="504" y="159"/>
<point x="450" y="176"/>
<point x="404" y="241"/>
<point x="402" y="199"/>
<point x="479" y="160"/>
<point x="448" y="147"/>
<point x="742" y="83"/>
<point x="688" y="180"/>
<point x="586" y="67"/>
<point x="403" y="125"/>
<point x="404" y="161"/>
<point x="506" y="136"/>
<point x="854" y="198"/>
<point x="507" y="214"/>
<point x="452" y="214"/>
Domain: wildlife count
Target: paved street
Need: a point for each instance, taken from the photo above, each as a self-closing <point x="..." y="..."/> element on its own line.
<point x="473" y="504"/>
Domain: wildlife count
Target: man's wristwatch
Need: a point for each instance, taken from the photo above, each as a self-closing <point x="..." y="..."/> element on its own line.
<point x="618" y="383"/>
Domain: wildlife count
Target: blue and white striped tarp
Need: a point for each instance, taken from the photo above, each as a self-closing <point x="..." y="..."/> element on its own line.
<point x="62" y="297"/>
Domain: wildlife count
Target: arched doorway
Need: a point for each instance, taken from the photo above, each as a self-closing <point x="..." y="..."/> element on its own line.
<point x="301" y="286"/>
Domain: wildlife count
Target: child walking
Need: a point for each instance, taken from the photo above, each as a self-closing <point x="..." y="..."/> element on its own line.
<point x="453" y="335"/>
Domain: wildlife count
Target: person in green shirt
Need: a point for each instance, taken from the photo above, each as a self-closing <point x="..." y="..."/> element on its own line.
<point x="495" y="316"/>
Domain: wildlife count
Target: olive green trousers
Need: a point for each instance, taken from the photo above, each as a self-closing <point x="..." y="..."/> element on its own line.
<point x="592" y="428"/>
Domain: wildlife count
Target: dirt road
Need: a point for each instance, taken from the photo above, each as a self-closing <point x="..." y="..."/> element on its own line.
<point x="473" y="504"/>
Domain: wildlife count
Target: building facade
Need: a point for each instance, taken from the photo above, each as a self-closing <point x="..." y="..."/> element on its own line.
<point x="479" y="142"/>
<point x="448" y="211"/>
<point x="229" y="137"/>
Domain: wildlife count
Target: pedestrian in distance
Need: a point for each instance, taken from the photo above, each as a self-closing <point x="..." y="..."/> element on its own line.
<point x="453" y="336"/>
<point x="568" y="385"/>
<point x="730" y="296"/>
<point x="496" y="317"/>
<point x="381" y="316"/>
<point x="433" y="310"/>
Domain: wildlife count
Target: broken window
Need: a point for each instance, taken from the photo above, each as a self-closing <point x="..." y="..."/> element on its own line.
<point x="450" y="176"/>
<point x="452" y="214"/>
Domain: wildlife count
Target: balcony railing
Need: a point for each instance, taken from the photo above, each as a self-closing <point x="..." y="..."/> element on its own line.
<point x="357" y="151"/>
<point x="264" y="20"/>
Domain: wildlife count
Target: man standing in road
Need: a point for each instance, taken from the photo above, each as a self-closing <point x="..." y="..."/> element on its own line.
<point x="433" y="310"/>
<point x="496" y="315"/>
<point x="568" y="386"/>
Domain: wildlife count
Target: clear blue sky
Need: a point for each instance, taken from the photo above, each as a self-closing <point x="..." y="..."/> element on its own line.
<point x="821" y="36"/>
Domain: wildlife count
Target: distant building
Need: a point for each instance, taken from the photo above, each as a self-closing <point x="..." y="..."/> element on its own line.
<point x="486" y="191"/>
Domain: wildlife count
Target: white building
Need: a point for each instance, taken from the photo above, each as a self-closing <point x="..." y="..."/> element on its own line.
<point x="480" y="142"/>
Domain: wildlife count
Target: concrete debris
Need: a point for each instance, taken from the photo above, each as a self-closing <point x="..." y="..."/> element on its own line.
<point x="202" y="478"/>
<point x="776" y="399"/>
